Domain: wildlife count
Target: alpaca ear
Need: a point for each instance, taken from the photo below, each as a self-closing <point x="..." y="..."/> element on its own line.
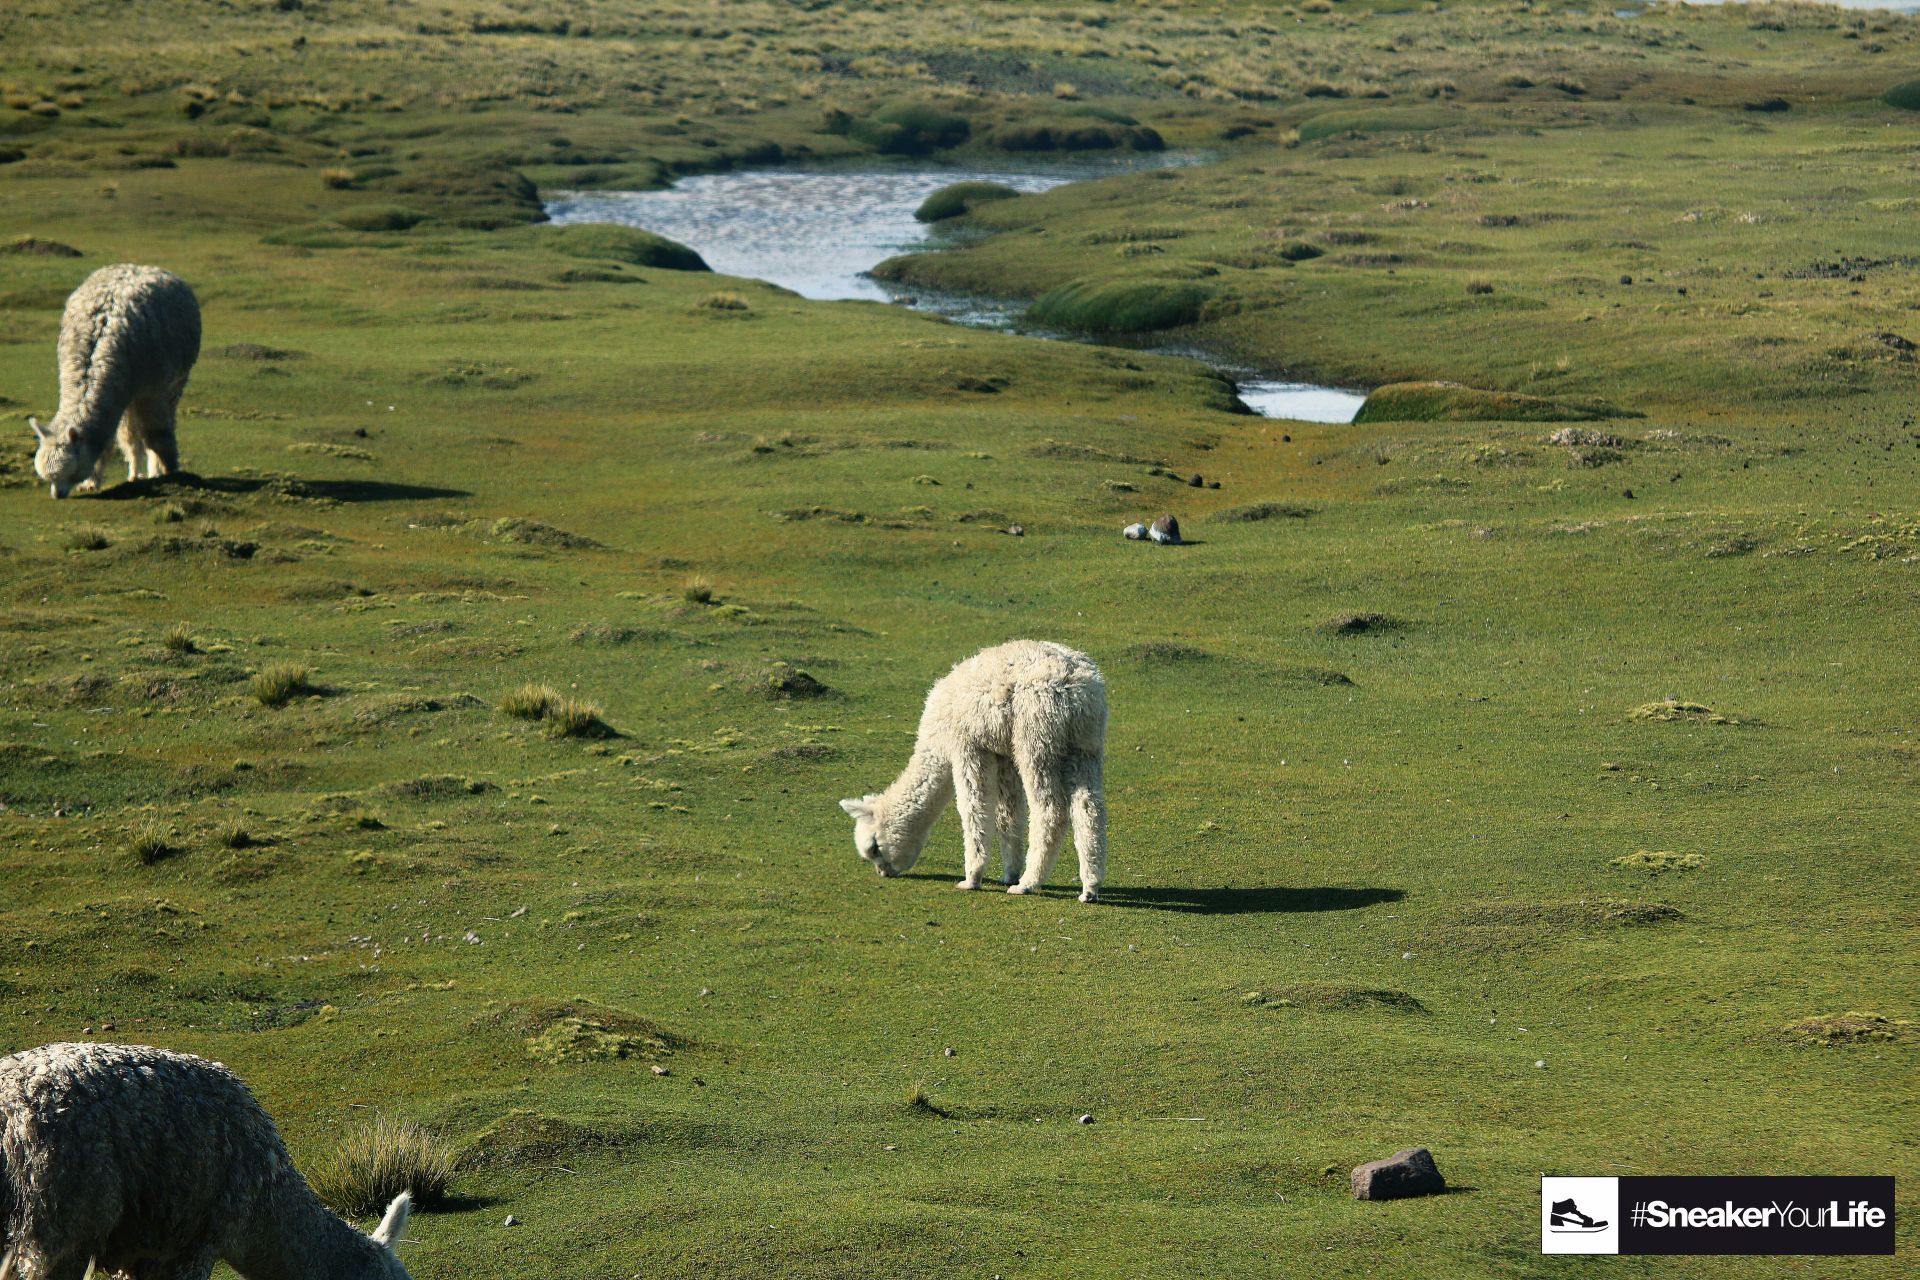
<point x="857" y="809"/>
<point x="395" y="1223"/>
<point x="39" y="432"/>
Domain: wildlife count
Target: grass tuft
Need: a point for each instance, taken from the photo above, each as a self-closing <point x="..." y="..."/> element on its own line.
<point x="531" y="702"/>
<point x="280" y="683"/>
<point x="1659" y="860"/>
<point x="179" y="639"/>
<point x="87" y="537"/>
<point x="380" y="1159"/>
<point x="148" y="844"/>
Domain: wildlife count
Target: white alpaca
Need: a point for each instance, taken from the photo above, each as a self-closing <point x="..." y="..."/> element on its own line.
<point x="121" y="1158"/>
<point x="1015" y="734"/>
<point x="128" y="341"/>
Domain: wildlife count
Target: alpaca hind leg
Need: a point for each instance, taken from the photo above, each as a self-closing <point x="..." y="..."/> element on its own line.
<point x="1046" y="823"/>
<point x="976" y="787"/>
<point x="1087" y="802"/>
<point x="1013" y="823"/>
<point x="157" y="416"/>
<point x="130" y="439"/>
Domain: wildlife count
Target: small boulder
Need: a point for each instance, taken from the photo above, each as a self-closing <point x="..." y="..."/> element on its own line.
<point x="1165" y="530"/>
<point x="1134" y="532"/>
<point x="1404" y="1173"/>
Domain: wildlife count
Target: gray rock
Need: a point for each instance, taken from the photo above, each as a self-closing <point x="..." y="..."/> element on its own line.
<point x="1404" y="1173"/>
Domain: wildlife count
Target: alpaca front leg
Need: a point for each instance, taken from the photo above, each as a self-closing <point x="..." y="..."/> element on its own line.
<point x="1046" y="826"/>
<point x="1087" y="803"/>
<point x="1013" y="823"/>
<point x="976" y="788"/>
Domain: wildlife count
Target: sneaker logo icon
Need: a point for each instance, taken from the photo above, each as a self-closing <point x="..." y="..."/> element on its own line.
<point x="1564" y="1216"/>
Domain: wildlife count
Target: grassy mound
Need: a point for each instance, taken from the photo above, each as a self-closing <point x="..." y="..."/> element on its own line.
<point x="479" y="196"/>
<point x="1073" y="135"/>
<point x="903" y="128"/>
<point x="1332" y="996"/>
<point x="1852" y="1027"/>
<point x="957" y="198"/>
<point x="1335" y="123"/>
<point x="522" y="1138"/>
<point x="1132" y="306"/>
<point x="557" y="1031"/>
<point x="1905" y="95"/>
<point x="1451" y="402"/>
<point x="630" y="245"/>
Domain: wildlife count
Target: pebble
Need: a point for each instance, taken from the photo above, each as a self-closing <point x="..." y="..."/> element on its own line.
<point x="1086" y="1119"/>
<point x="660" y="1070"/>
<point x="511" y="1221"/>
<point x="948" y="1052"/>
<point x="1134" y="532"/>
<point x="1017" y="530"/>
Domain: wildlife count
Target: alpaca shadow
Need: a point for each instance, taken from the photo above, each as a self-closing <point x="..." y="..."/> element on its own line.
<point x="1247" y="901"/>
<point x="332" y="490"/>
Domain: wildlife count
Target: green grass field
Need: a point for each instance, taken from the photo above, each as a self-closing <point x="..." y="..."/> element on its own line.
<point x="1375" y="882"/>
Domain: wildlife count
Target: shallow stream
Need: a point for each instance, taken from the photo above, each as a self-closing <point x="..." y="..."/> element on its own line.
<point x="818" y="230"/>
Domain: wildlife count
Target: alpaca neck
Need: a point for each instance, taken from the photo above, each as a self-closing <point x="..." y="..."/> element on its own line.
<point x="913" y="804"/>
<point x="295" y="1237"/>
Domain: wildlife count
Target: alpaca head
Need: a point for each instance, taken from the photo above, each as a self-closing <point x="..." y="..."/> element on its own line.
<point x="58" y="460"/>
<point x="883" y="843"/>
<point x="388" y="1234"/>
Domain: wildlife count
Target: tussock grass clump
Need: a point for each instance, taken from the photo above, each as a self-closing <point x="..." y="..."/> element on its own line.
<point x="379" y="217"/>
<point x="148" y="843"/>
<point x="957" y="198"/>
<point x="576" y="718"/>
<point x="1332" y="996"/>
<point x="87" y="537"/>
<point x="697" y="591"/>
<point x="631" y="245"/>
<point x="726" y="300"/>
<point x="380" y="1159"/>
<point x="1300" y="251"/>
<point x="1451" y="402"/>
<point x="178" y="638"/>
<point x="1660" y="860"/>
<point x="234" y="835"/>
<point x="531" y="702"/>
<point x="920" y="1104"/>
<point x="1852" y="1027"/>
<point x="280" y="683"/>
<point x="443" y="786"/>
<point x="1671" y="709"/>
<point x="1125" y="306"/>
<point x="337" y="179"/>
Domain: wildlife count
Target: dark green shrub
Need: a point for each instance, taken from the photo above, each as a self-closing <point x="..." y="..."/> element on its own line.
<point x="959" y="198"/>
<point x="1073" y="135"/>
<point x="903" y="128"/>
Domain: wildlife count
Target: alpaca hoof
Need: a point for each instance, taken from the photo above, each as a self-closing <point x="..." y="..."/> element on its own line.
<point x="1019" y="888"/>
<point x="1089" y="895"/>
<point x="86" y="486"/>
<point x="967" y="884"/>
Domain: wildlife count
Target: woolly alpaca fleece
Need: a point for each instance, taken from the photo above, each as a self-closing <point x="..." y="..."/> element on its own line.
<point x="128" y="341"/>
<point x="1015" y="735"/>
<point x="157" y="1165"/>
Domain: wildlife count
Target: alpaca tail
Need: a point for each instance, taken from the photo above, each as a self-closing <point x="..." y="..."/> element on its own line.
<point x="1087" y="806"/>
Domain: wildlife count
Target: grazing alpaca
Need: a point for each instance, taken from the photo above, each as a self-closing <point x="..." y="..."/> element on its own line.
<point x="123" y="1158"/>
<point x="128" y="341"/>
<point x="1015" y="734"/>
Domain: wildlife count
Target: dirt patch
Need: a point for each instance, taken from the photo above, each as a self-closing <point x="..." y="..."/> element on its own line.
<point x="1852" y="1027"/>
<point x="1570" y="913"/>
<point x="1671" y="710"/>
<point x="1264" y="511"/>
<point x="1332" y="996"/>
<point x="36" y="247"/>
<point x="1360" y="624"/>
<point x="1657" y="861"/>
